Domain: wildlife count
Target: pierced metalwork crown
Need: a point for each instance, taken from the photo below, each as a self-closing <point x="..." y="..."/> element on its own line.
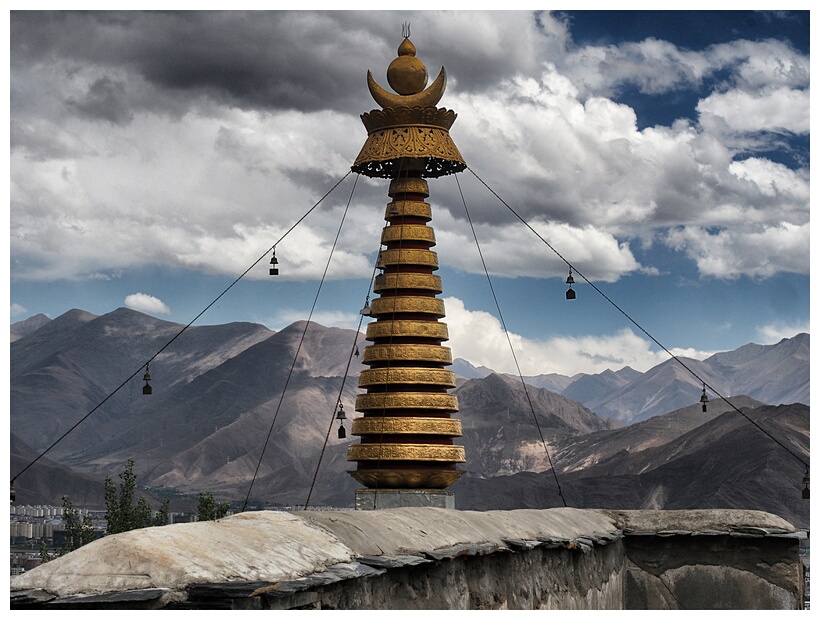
<point x="403" y="139"/>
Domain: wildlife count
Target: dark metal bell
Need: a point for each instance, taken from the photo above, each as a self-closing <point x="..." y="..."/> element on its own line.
<point x="274" y="265"/>
<point x="570" y="281"/>
<point x="341" y="413"/>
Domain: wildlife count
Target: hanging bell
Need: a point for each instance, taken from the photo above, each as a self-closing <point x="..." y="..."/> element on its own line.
<point x="340" y="415"/>
<point x="394" y="209"/>
<point x="274" y="264"/>
<point x="380" y="262"/>
<point x="146" y="389"/>
<point x="704" y="399"/>
<point x="806" y="485"/>
<point x="13" y="494"/>
<point x="356" y="352"/>
<point x="367" y="310"/>
<point x="570" y="282"/>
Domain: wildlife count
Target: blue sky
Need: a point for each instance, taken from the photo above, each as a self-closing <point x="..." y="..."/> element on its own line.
<point x="155" y="157"/>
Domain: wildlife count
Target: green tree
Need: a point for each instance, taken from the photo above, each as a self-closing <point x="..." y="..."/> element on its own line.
<point x="78" y="531"/>
<point x="45" y="556"/>
<point x="162" y="516"/>
<point x="121" y="514"/>
<point x="209" y="510"/>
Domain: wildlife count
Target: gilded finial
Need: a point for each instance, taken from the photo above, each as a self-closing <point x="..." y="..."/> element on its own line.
<point x="407" y="75"/>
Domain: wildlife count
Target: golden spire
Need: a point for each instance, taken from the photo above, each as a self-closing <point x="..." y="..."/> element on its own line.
<point x="406" y="429"/>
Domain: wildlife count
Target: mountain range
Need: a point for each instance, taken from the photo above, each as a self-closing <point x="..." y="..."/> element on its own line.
<point x="236" y="411"/>
<point x="772" y="374"/>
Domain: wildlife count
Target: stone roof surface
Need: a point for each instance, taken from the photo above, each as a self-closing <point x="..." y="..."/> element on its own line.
<point x="274" y="546"/>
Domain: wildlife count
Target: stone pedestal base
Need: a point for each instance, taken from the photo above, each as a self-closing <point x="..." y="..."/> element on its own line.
<point x="377" y="499"/>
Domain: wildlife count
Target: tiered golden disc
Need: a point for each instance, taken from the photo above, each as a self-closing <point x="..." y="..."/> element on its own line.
<point x="407" y="430"/>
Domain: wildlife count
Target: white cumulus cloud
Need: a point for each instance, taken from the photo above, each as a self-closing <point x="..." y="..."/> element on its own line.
<point x="777" y="110"/>
<point x="775" y="332"/>
<point x="479" y="338"/>
<point x="149" y="304"/>
<point x="757" y="253"/>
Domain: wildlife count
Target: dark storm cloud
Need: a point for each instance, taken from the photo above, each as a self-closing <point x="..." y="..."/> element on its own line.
<point x="278" y="60"/>
<point x="105" y="100"/>
<point x="252" y="60"/>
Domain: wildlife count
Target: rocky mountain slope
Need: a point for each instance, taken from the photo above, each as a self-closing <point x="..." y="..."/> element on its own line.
<point x="726" y="462"/>
<point x="31" y="324"/>
<point x="63" y="370"/>
<point x="501" y="434"/>
<point x="589" y="450"/>
<point x="586" y="388"/>
<point x="45" y="481"/>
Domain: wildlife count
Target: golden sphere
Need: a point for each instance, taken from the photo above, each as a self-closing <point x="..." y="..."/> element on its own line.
<point x="407" y="75"/>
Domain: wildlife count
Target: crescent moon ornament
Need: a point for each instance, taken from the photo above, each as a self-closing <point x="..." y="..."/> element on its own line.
<point x="430" y="96"/>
